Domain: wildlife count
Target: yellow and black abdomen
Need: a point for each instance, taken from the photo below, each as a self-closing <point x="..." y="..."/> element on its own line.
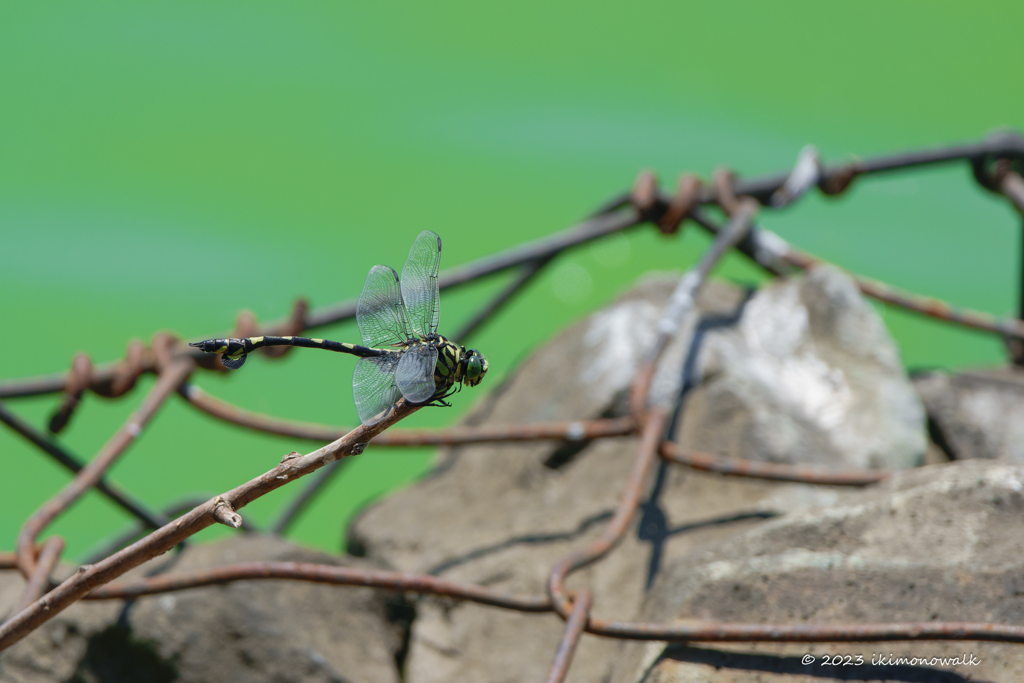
<point x="235" y="350"/>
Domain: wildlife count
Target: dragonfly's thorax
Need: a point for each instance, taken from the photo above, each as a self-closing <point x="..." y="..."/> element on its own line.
<point x="448" y="370"/>
<point x="455" y="364"/>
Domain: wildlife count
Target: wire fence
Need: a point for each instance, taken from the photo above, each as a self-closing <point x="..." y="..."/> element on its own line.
<point x="996" y="163"/>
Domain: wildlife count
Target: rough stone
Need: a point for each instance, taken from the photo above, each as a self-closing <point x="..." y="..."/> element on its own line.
<point x="247" y="630"/>
<point x="976" y="414"/>
<point x="940" y="543"/>
<point x="808" y="374"/>
<point x="502" y="514"/>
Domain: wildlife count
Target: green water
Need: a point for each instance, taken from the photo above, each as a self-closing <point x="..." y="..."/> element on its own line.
<point x="163" y="167"/>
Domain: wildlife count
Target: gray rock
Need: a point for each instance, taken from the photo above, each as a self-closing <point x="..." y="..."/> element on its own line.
<point x="976" y="414"/>
<point x="501" y="515"/>
<point x="275" y="630"/>
<point x="808" y="374"/>
<point x="940" y="543"/>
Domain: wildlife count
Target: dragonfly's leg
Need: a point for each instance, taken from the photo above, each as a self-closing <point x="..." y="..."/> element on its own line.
<point x="439" y="399"/>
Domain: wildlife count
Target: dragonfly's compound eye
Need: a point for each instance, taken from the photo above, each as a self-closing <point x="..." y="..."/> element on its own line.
<point x="476" y="367"/>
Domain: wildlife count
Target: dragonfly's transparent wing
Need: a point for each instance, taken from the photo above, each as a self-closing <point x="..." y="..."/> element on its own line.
<point x="380" y="313"/>
<point x="419" y="283"/>
<point x="373" y="387"/>
<point x="415" y="373"/>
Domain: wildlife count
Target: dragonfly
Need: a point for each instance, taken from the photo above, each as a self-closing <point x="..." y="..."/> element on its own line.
<point x="402" y="354"/>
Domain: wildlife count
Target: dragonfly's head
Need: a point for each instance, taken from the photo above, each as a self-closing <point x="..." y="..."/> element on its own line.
<point x="474" y="367"/>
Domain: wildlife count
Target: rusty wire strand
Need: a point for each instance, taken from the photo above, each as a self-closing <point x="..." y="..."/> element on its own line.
<point x="172" y="376"/>
<point x="151" y="520"/>
<point x="562" y="431"/>
<point x="1012" y="185"/>
<point x="683" y="300"/>
<point x="654" y="426"/>
<point x="322" y="573"/>
<point x="808" y="632"/>
<point x="654" y="421"/>
<point x="527" y="272"/>
<point x="78" y="381"/>
<point x="575" y="430"/>
<point x="706" y="631"/>
<point x="773" y="254"/>
<point x="755" y="469"/>
<point x="39" y="580"/>
<point x="574" y="628"/>
<point x="568" y="430"/>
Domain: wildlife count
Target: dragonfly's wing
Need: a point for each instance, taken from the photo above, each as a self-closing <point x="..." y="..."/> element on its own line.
<point x="380" y="313"/>
<point x="415" y="373"/>
<point x="419" y="283"/>
<point x="373" y="387"/>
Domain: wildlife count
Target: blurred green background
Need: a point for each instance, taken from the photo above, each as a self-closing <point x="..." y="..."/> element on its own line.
<point x="164" y="166"/>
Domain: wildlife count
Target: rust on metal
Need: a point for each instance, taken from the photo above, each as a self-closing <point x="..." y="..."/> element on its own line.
<point x="125" y="373"/>
<point x="647" y="451"/>
<point x="39" y="581"/>
<point x="838" y="181"/>
<point x="567" y="430"/>
<point x="645" y="193"/>
<point x="752" y="469"/>
<point x="723" y="185"/>
<point x="322" y="573"/>
<point x="78" y="381"/>
<point x="574" y="628"/>
<point x="8" y="560"/>
<point x="808" y="632"/>
<point x="1011" y="184"/>
<point x="685" y="200"/>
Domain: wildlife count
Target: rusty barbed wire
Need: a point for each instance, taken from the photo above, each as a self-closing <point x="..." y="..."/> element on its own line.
<point x="618" y="214"/>
<point x="996" y="164"/>
<point x="769" y="251"/>
<point x="774" y="254"/>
